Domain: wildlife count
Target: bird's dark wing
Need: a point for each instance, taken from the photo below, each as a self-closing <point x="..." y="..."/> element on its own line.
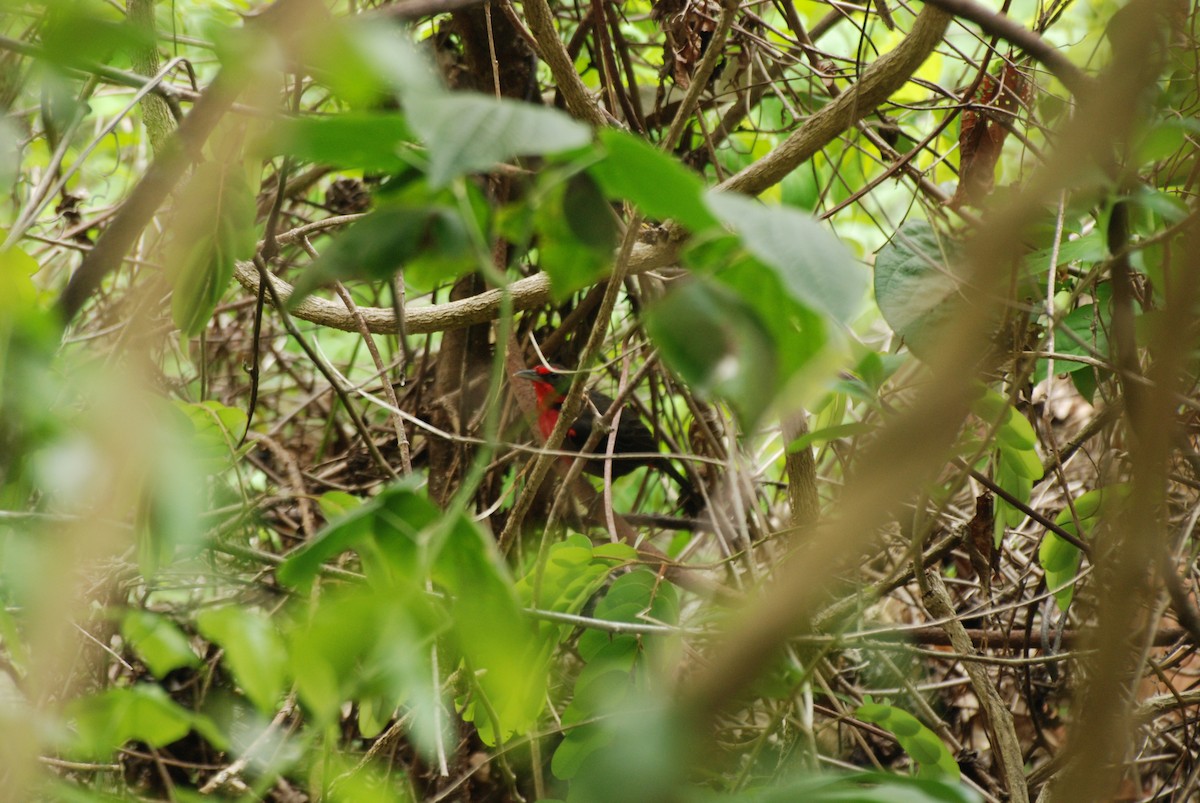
<point x="633" y="437"/>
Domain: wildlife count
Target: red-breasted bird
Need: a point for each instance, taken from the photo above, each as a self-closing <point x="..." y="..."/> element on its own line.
<point x="633" y="436"/>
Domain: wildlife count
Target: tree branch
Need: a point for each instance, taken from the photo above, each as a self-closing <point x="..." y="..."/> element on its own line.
<point x="999" y="719"/>
<point x="884" y="76"/>
<point x="167" y="169"/>
<point x="527" y="293"/>
<point x="879" y="80"/>
<point x="1015" y="34"/>
<point x="580" y="102"/>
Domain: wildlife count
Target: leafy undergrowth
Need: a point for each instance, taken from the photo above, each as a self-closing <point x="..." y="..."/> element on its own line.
<point x="277" y="521"/>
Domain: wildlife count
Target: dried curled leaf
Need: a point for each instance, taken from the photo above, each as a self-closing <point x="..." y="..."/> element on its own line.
<point x="985" y="124"/>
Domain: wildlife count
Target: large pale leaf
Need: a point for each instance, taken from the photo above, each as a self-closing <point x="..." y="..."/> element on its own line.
<point x="657" y="183"/>
<point x="812" y="264"/>
<point x="718" y="344"/>
<point x="915" y="284"/>
<point x="467" y="132"/>
<point x="371" y="140"/>
<point x="254" y="652"/>
<point x="382" y="243"/>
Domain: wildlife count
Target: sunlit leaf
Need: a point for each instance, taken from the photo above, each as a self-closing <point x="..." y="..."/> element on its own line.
<point x="656" y="183"/>
<point x="368" y="140"/>
<point x="811" y="263"/>
<point x="915" y="284"/>
<point x="254" y="652"/>
<point x="933" y="758"/>
<point x="143" y="712"/>
<point x="717" y="344"/>
<point x="158" y="641"/>
<point x="467" y="132"/>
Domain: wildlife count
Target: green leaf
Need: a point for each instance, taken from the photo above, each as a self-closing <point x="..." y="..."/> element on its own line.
<point x="800" y="334"/>
<point x="501" y="645"/>
<point x="866" y="787"/>
<point x="1022" y="462"/>
<point x="638" y="596"/>
<point x="405" y="541"/>
<point x="193" y="442"/>
<point x="467" y="132"/>
<point x="216" y="212"/>
<point x="933" y="758"/>
<point x="337" y="503"/>
<point x="915" y="284"/>
<point x="1019" y="486"/>
<point x="588" y="214"/>
<point x="811" y="263"/>
<point x="105" y="721"/>
<point x="656" y="183"/>
<point x="828" y="434"/>
<point x="369" y="140"/>
<point x="572" y="573"/>
<point x="1081" y="334"/>
<point x="1089" y="505"/>
<point x="380" y="244"/>
<point x="1016" y="432"/>
<point x="364" y="50"/>
<point x="615" y="667"/>
<point x="383" y="661"/>
<point x="384" y="530"/>
<point x="717" y="344"/>
<point x="373" y="716"/>
<point x="576" y="234"/>
<point x="254" y="652"/>
<point x="1059" y="558"/>
<point x="1059" y="555"/>
<point x="1060" y="562"/>
<point x="17" y="290"/>
<point x="1161" y="138"/>
<point x="158" y="641"/>
<point x="217" y="430"/>
<point x="576" y="747"/>
<point x="76" y="33"/>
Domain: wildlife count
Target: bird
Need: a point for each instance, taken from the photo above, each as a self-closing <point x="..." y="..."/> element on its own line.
<point x="551" y="384"/>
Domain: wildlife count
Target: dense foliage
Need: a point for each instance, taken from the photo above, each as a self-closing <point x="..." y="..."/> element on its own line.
<point x="908" y="295"/>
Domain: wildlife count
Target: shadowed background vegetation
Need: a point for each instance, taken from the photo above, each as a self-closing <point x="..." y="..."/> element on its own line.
<point x="907" y="292"/>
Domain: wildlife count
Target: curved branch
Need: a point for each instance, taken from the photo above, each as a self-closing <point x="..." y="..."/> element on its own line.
<point x="1016" y="34"/>
<point x="884" y="76"/>
<point x="879" y="80"/>
<point x="526" y="293"/>
<point x="579" y="101"/>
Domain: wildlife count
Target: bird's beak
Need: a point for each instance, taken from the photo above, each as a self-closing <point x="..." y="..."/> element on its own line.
<point x="528" y="373"/>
